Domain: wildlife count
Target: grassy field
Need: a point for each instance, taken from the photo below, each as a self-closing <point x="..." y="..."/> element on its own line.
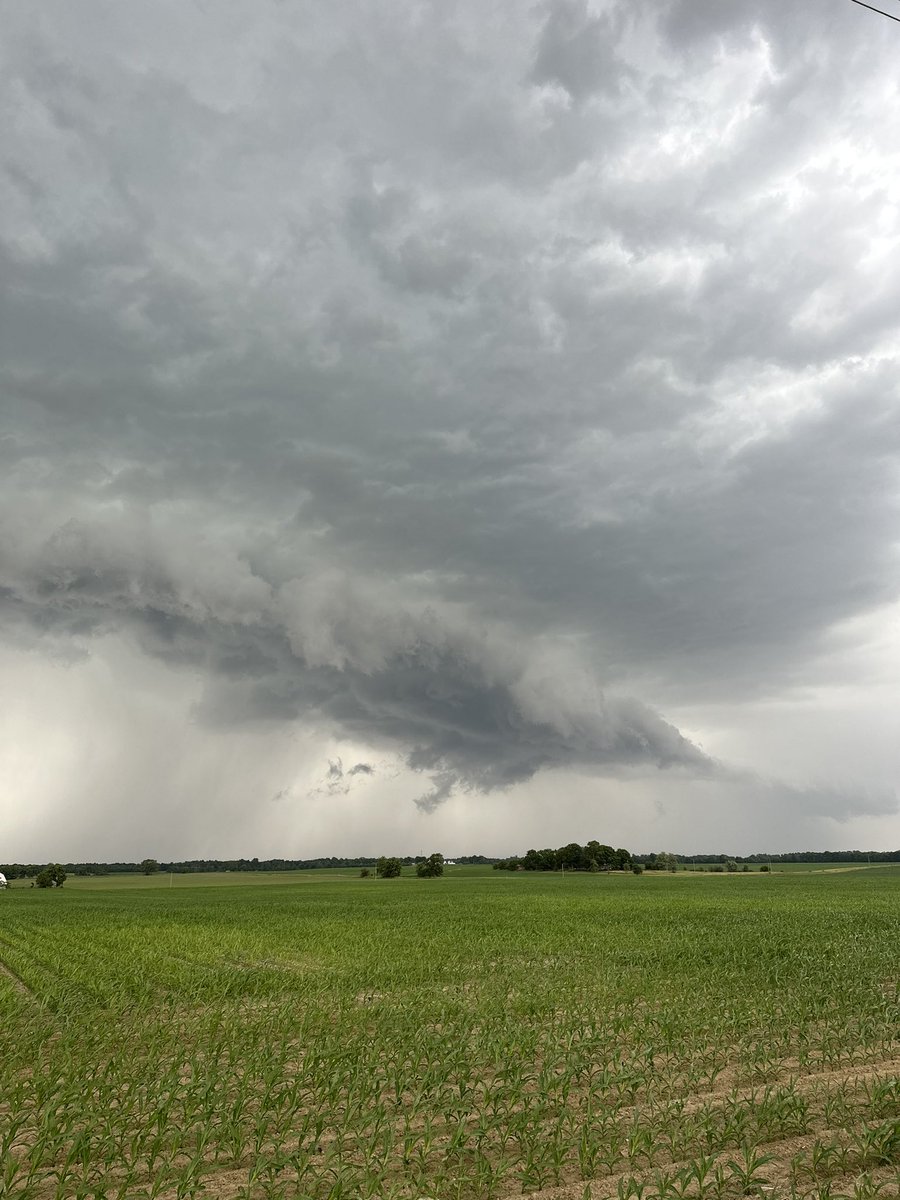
<point x="807" y="868"/>
<point x="284" y="878"/>
<point x="481" y="1035"/>
<point x="234" y="878"/>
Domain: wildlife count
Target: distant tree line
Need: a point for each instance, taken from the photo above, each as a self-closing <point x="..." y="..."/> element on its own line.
<point x="572" y="857"/>
<point x="191" y="866"/>
<point x="598" y="856"/>
<point x="793" y="856"/>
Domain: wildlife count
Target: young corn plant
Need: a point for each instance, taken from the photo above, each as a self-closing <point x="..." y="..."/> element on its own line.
<point x="745" y="1172"/>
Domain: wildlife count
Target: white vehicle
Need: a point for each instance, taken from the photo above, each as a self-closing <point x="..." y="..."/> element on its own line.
<point x="2" y="880"/>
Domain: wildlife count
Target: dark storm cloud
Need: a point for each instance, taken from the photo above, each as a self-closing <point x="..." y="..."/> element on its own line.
<point x="575" y="50"/>
<point x="466" y="707"/>
<point x="447" y="378"/>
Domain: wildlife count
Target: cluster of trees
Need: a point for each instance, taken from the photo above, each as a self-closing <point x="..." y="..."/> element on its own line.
<point x="53" y="875"/>
<point x="663" y="861"/>
<point x="593" y="856"/>
<point x="426" y="868"/>
<point x="29" y="870"/>
<point x="430" y="867"/>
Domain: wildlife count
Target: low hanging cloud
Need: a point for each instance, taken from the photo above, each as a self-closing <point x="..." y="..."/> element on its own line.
<point x="354" y="655"/>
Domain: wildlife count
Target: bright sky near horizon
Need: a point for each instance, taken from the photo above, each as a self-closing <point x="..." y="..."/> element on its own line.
<point x="449" y="426"/>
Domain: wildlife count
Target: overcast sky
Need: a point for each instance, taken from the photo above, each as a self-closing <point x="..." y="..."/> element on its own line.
<point x="448" y="426"/>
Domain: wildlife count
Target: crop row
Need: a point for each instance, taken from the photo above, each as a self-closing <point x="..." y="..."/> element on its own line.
<point x="482" y="1041"/>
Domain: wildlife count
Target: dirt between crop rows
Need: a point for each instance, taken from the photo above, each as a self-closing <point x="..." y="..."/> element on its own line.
<point x="235" y="1180"/>
<point x="231" y="1184"/>
<point x="777" y="1174"/>
<point x="19" y="984"/>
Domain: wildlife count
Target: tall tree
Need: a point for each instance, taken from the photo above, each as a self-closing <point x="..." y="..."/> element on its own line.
<point x="431" y="867"/>
<point x="52" y="875"/>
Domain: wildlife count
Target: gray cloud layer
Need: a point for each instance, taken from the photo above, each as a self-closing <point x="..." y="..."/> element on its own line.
<point x="467" y="705"/>
<point x="468" y="383"/>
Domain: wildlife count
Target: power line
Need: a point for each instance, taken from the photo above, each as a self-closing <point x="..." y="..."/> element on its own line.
<point x="889" y="16"/>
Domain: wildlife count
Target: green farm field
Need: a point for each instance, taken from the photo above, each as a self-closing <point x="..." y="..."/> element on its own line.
<point x="481" y="1035"/>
